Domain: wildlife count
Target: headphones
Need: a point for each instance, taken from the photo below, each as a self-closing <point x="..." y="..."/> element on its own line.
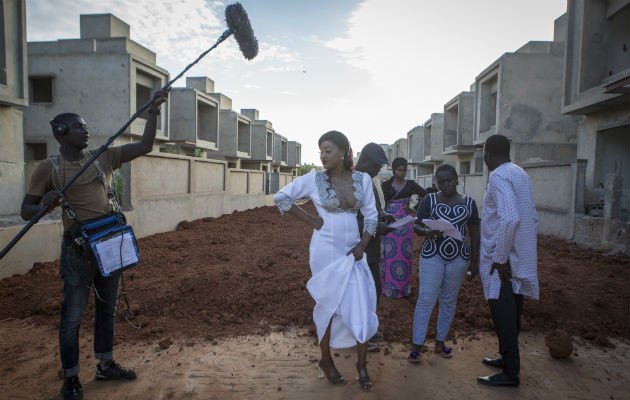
<point x="59" y="127"/>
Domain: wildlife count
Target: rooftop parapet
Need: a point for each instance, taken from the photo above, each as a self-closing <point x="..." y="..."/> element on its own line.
<point x="98" y="26"/>
<point x="201" y="83"/>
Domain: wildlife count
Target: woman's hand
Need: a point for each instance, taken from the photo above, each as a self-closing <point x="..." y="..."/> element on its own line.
<point x="422" y="231"/>
<point x="389" y="219"/>
<point x="317" y="222"/>
<point x="357" y="251"/>
<point x="382" y="229"/>
<point x="432" y="233"/>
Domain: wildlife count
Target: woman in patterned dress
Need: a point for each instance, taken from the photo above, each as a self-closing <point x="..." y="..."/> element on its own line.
<point x="342" y="284"/>
<point x="398" y="245"/>
<point x="443" y="259"/>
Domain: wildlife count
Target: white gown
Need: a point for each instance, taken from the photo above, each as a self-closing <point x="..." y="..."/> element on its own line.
<point x="343" y="289"/>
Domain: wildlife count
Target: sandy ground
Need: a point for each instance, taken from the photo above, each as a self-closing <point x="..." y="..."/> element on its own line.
<point x="282" y="365"/>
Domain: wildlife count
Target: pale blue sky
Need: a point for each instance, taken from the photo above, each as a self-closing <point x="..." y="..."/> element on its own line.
<point x="372" y="69"/>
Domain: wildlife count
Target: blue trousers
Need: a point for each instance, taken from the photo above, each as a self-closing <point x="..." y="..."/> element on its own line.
<point x="439" y="279"/>
<point x="78" y="276"/>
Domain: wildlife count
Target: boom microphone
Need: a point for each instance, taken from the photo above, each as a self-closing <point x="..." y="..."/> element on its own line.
<point x="237" y="21"/>
<point x="238" y="25"/>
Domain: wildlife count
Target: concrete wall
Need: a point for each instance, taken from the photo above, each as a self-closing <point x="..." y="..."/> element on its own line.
<point x="159" y="191"/>
<point x="473" y="185"/>
<point x="13" y="92"/>
<point x="11" y="161"/>
<point x="555" y="207"/>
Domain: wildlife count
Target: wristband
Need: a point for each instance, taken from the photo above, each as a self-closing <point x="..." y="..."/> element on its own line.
<point x="155" y="111"/>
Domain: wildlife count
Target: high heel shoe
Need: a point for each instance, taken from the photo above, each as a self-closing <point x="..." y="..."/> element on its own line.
<point x="364" y="380"/>
<point x="333" y="376"/>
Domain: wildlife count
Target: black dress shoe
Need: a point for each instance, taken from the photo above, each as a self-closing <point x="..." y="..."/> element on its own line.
<point x="500" y="379"/>
<point x="494" y="362"/>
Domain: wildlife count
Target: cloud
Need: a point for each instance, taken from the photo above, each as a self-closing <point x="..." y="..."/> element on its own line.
<point x="178" y="32"/>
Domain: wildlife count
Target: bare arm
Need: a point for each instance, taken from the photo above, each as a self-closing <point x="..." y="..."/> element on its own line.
<point x="31" y="204"/>
<point x="132" y="151"/>
<point x="315" y="221"/>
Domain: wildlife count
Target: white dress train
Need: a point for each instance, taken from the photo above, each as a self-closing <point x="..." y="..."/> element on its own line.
<point x="343" y="289"/>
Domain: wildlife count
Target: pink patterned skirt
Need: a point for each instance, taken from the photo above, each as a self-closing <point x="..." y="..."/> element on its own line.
<point x="397" y="254"/>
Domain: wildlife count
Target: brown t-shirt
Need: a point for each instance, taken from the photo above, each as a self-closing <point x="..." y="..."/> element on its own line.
<point x="87" y="194"/>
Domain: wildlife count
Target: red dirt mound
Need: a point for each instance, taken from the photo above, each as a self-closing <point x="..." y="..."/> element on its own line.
<point x="246" y="273"/>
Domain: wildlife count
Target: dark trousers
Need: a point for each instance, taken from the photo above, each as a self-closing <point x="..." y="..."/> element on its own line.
<point x="506" y="315"/>
<point x="78" y="275"/>
<point x="376" y="274"/>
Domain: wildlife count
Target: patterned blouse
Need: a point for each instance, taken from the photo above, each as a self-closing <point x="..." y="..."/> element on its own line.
<point x="460" y="215"/>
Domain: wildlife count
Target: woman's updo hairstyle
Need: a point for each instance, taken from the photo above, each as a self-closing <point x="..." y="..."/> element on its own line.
<point x="341" y="141"/>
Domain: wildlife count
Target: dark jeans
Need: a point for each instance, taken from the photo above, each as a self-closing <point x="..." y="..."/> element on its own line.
<point x="376" y="274"/>
<point x="78" y="275"/>
<point x="506" y="315"/>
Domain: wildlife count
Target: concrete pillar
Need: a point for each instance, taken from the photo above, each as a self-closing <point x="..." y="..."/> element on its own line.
<point x="612" y="196"/>
<point x="580" y="185"/>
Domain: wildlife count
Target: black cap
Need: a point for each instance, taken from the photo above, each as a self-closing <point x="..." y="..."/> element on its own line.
<point x="375" y="152"/>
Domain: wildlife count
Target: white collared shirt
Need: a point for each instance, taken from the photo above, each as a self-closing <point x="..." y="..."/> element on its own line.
<point x="508" y="232"/>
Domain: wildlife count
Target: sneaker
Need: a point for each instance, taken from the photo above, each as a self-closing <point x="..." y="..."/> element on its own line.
<point x="71" y="389"/>
<point x="114" y="372"/>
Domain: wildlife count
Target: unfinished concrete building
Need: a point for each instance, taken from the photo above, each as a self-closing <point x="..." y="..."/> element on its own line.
<point x="13" y="93"/>
<point x="280" y="152"/>
<point x="418" y="168"/>
<point x="194" y="119"/>
<point x="597" y="87"/>
<point x="458" y="134"/>
<point x="519" y="95"/>
<point x="234" y="134"/>
<point x="262" y="139"/>
<point x="102" y="67"/>
<point x="294" y="157"/>
<point x="433" y="147"/>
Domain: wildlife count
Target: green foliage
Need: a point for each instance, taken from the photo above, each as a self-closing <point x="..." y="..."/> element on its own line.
<point x="306" y="168"/>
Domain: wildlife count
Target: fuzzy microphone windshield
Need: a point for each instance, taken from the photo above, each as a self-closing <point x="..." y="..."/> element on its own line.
<point x="237" y="21"/>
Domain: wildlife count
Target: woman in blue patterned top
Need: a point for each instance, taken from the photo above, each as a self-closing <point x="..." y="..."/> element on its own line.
<point x="443" y="259"/>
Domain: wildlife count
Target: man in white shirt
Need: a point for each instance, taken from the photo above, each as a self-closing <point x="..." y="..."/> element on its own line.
<point x="508" y="261"/>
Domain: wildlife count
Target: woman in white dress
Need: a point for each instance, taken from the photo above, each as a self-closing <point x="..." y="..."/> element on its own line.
<point x="342" y="284"/>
